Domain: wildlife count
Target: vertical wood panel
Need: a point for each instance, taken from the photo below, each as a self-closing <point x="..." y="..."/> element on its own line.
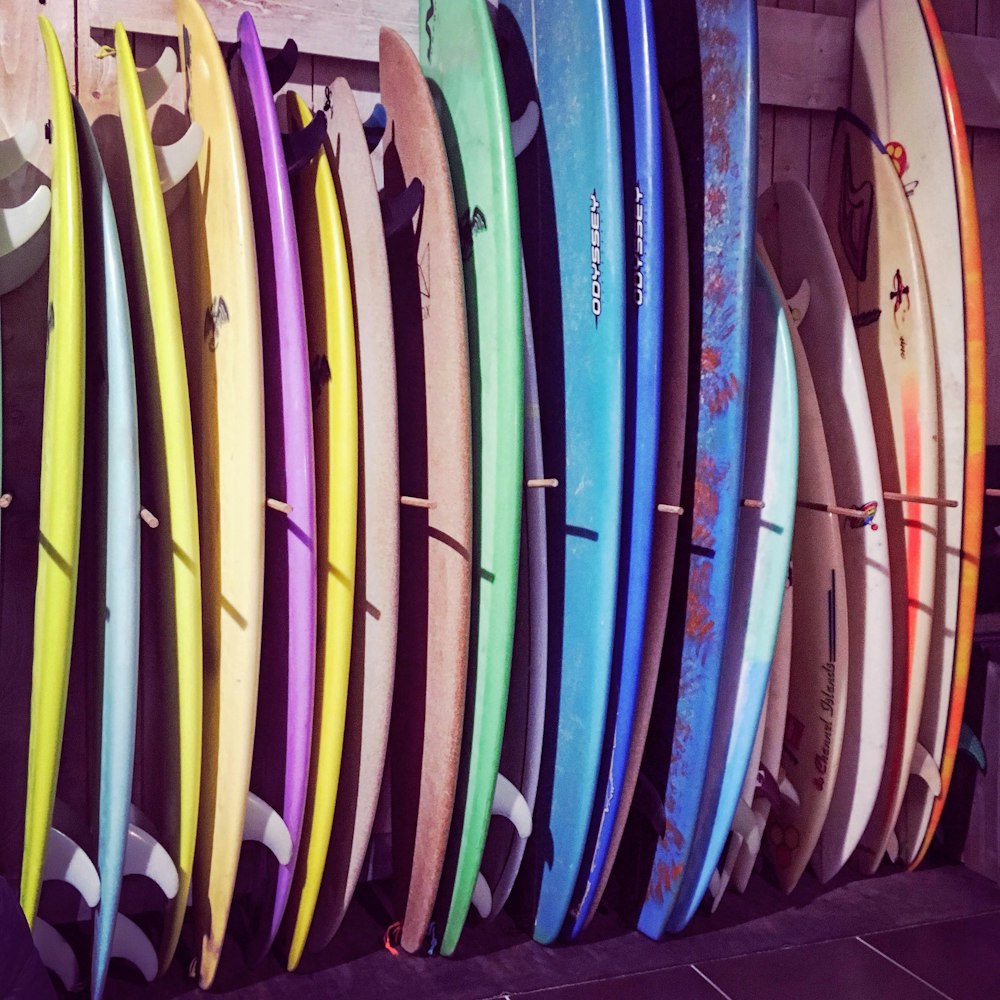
<point x="765" y="134"/>
<point x="792" y="127"/>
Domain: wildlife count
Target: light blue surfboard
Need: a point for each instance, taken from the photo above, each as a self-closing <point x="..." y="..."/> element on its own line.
<point x="715" y="44"/>
<point x="642" y="167"/>
<point x="112" y="483"/>
<point x="770" y="473"/>
<point x="573" y="231"/>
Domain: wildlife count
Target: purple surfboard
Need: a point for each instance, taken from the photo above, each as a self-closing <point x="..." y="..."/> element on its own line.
<point x="288" y="646"/>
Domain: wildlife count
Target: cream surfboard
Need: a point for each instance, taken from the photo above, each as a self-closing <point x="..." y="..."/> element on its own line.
<point x="376" y="579"/>
<point x="818" y="680"/>
<point x="871" y="227"/>
<point x="792" y="229"/>
<point x="170" y="681"/>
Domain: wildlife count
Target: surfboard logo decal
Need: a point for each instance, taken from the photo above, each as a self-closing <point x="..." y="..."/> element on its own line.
<point x="900" y="298"/>
<point x="866" y="516"/>
<point x="854" y="217"/>
<point x="640" y="249"/>
<point x="595" y="256"/>
<point x="897" y="153"/>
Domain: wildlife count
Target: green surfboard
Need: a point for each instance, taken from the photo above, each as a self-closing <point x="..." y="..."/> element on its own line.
<point x="458" y="54"/>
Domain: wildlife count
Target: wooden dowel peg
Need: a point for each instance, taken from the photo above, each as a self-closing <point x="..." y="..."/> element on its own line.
<point x="418" y="502"/>
<point x="754" y="504"/>
<point x="913" y="498"/>
<point x="547" y="484"/>
<point x="149" y="518"/>
<point x="989" y="493"/>
<point x="669" y="508"/>
<point x="832" y="508"/>
<point x="279" y="505"/>
<point x="5" y="501"/>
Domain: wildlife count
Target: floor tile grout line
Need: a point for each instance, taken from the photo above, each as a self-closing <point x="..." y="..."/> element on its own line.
<point x="718" y="989"/>
<point x="909" y="972"/>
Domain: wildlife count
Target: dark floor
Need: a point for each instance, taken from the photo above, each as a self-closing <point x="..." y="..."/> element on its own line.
<point x="932" y="933"/>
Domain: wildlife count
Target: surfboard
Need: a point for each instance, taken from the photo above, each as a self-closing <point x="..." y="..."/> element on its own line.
<point x="873" y="234"/>
<point x="800" y="250"/>
<point x="111" y="485"/>
<point x="818" y="680"/>
<point x="458" y="53"/>
<point x="642" y="172"/>
<point x="170" y="627"/>
<point x="770" y="470"/>
<point x="975" y="404"/>
<point x="764" y="779"/>
<point x="222" y="323"/>
<point x="281" y="743"/>
<point x="717" y="47"/>
<point x="376" y="579"/>
<point x="61" y="480"/>
<point x="435" y="468"/>
<point x="896" y="90"/>
<point x="326" y="280"/>
<point x="524" y="727"/>
<point x="676" y="393"/>
<point x="572" y="204"/>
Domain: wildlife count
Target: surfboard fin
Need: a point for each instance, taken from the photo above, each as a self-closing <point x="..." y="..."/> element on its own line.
<point x="15" y="150"/>
<point x="128" y="941"/>
<point x="66" y="861"/>
<point x="970" y="743"/>
<point x="892" y="848"/>
<point x="281" y="65"/>
<point x="511" y="804"/>
<point x="798" y="304"/>
<point x="524" y="128"/>
<point x="482" y="897"/>
<point x="24" y="239"/>
<point x="374" y="126"/>
<point x="57" y="955"/>
<point x="145" y="855"/>
<point x="399" y="210"/>
<point x="175" y="162"/>
<point x="264" y="825"/>
<point x="924" y="767"/>
<point x="304" y="143"/>
<point x="156" y="79"/>
<point x="646" y="799"/>
<point x="789" y="794"/>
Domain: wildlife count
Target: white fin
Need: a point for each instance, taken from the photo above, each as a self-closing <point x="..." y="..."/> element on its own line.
<point x="175" y="162"/>
<point x="57" y="955"/>
<point x="798" y="304"/>
<point x="720" y="877"/>
<point x="144" y="855"/>
<point x="924" y="767"/>
<point x="892" y="848"/>
<point x="156" y="79"/>
<point x="482" y="897"/>
<point x="66" y="861"/>
<point x="523" y="129"/>
<point x="788" y="792"/>
<point x="715" y="887"/>
<point x="263" y="824"/>
<point x="16" y="150"/>
<point x="131" y="943"/>
<point x="511" y="804"/>
<point x="24" y="242"/>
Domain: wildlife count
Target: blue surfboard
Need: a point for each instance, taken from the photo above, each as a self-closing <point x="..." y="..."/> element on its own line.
<point x="770" y="472"/>
<point x="111" y="485"/>
<point x="642" y="169"/>
<point x="573" y="231"/>
<point x="713" y="45"/>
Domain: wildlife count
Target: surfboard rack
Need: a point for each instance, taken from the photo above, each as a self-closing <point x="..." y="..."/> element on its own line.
<point x="546" y="484"/>
<point x="264" y="825"/>
<point x="302" y="144"/>
<point x="916" y="498"/>
<point x="670" y="508"/>
<point x="418" y="502"/>
<point x="752" y="503"/>
<point x="14" y="151"/>
<point x="176" y="160"/>
<point x="990" y="492"/>
<point x="851" y="513"/>
<point x="279" y="505"/>
<point x="6" y="499"/>
<point x="24" y="239"/>
<point x="155" y="80"/>
<point x="149" y="518"/>
<point x="57" y="955"/>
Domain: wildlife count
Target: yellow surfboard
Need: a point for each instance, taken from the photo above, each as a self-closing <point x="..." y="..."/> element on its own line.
<point x="326" y="282"/>
<point x="171" y="623"/>
<point x="61" y="480"/>
<point x="225" y="368"/>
